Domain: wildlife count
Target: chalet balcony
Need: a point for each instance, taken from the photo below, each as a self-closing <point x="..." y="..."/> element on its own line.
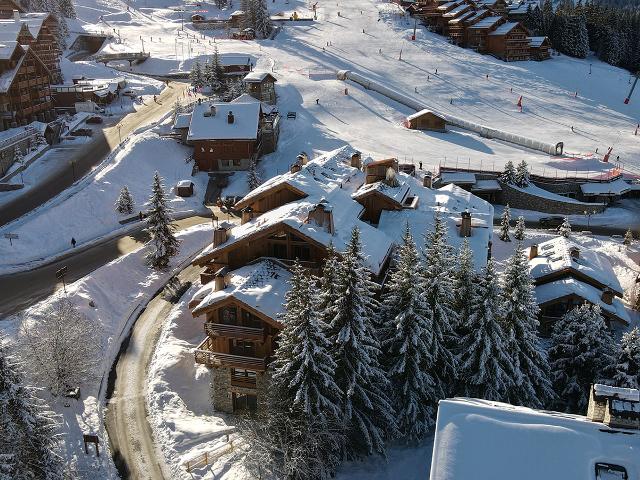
<point x="205" y="355"/>
<point x="244" y="382"/>
<point x="233" y="331"/>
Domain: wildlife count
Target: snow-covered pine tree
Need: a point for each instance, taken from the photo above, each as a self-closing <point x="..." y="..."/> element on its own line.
<point x="29" y="438"/>
<point x="581" y="350"/>
<point x="303" y="368"/>
<point x="124" y="203"/>
<point x="164" y="244"/>
<point x="628" y="237"/>
<point x="197" y="75"/>
<point x="520" y="229"/>
<point x="505" y="220"/>
<point x="249" y="18"/>
<point x="263" y="25"/>
<point x="627" y="365"/>
<point x="531" y="379"/>
<point x="465" y="279"/>
<point x="485" y="370"/>
<point x="217" y="78"/>
<point x="508" y="176"/>
<point x="368" y="414"/>
<point x="564" y="230"/>
<point x="18" y="156"/>
<point x="253" y="178"/>
<point x="522" y="174"/>
<point x="547" y="16"/>
<point x="234" y="88"/>
<point x="327" y="290"/>
<point x="436" y="279"/>
<point x="67" y="9"/>
<point x="405" y="336"/>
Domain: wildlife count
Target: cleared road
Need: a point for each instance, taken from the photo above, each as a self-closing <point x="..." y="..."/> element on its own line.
<point x="130" y="435"/>
<point x="21" y="290"/>
<point x="82" y="160"/>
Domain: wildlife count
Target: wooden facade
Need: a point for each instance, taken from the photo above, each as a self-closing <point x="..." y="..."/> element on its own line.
<point x="377" y="171"/>
<point x="262" y="87"/>
<point x="374" y="202"/>
<point x="225" y="154"/>
<point x="271" y="199"/>
<point x="539" y="48"/>
<point x="509" y="43"/>
<point x="427" y="120"/>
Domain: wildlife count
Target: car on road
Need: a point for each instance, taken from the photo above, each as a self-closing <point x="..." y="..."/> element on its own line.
<point x="82" y="132"/>
<point x="550" y="222"/>
<point x="94" y="120"/>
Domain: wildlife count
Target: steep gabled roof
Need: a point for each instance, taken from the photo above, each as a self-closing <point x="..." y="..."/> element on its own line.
<point x="216" y="127"/>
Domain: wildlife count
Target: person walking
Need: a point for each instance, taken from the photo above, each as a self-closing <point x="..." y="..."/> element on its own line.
<point x="73" y="242"/>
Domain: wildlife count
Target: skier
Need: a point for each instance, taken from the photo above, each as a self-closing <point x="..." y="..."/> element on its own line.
<point x="317" y="101"/>
<point x="73" y="242"/>
<point x="155" y="99"/>
<point x="436" y="71"/>
<point x="572" y="128"/>
<point x="420" y="165"/>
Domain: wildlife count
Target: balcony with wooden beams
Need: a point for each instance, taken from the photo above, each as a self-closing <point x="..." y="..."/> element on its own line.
<point x="233" y="331"/>
<point x="205" y="355"/>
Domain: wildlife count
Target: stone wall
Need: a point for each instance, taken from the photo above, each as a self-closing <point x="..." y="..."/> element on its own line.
<point x="221" y="389"/>
<point x="518" y="199"/>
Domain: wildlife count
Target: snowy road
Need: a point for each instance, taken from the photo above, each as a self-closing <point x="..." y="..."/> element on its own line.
<point x="130" y="435"/>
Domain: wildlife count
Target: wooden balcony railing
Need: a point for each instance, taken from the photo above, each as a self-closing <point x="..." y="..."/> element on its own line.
<point x="205" y="356"/>
<point x="245" y="382"/>
<point x="233" y="331"/>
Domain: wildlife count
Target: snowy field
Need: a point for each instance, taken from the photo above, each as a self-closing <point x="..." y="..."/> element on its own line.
<point x="92" y="199"/>
<point x="117" y="289"/>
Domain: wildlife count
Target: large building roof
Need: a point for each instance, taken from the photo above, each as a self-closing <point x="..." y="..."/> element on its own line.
<point x="205" y="126"/>
<point x="483" y="440"/>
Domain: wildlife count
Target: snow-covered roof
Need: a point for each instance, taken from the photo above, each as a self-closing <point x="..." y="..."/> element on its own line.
<point x="183" y="120"/>
<point x="184" y="183"/>
<point x="34" y="22"/>
<point x="456" y="11"/>
<point x="231" y="59"/>
<point x="396" y="194"/>
<point x="487" y="22"/>
<point x="617" y="187"/>
<point x="448" y="5"/>
<point x="261" y="286"/>
<point x="451" y="201"/>
<point x="479" y="439"/>
<point x="419" y="114"/>
<point x="457" y="177"/>
<point x="245" y="98"/>
<point x="489" y="185"/>
<point x="555" y="255"/>
<point x="7" y="77"/>
<point x="629" y="394"/>
<point x="536" y="41"/>
<point x="566" y="286"/>
<point x="257" y="77"/>
<point x="462" y="18"/>
<point x="505" y="28"/>
<point x="9" y="30"/>
<point x="216" y="127"/>
<point x="477" y="15"/>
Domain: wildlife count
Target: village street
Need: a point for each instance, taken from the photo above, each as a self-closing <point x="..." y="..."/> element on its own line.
<point x="84" y="159"/>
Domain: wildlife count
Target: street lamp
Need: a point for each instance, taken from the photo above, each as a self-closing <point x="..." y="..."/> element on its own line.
<point x="119" y="135"/>
<point x="588" y="215"/>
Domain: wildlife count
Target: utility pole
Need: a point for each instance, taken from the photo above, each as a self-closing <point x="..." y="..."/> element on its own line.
<point x="60" y="276"/>
<point x="626" y="100"/>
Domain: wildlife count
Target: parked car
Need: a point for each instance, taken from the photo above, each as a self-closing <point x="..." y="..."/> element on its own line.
<point x="94" y="120"/>
<point x="550" y="222"/>
<point x="82" y="132"/>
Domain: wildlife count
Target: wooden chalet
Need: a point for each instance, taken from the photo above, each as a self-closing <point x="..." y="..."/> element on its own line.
<point x="261" y="86"/>
<point x="8" y="7"/>
<point x="539" y="48"/>
<point x="478" y="32"/>
<point x="509" y="42"/>
<point x="426" y="120"/>
<point x="566" y="276"/>
<point x="463" y="10"/>
<point x="236" y="65"/>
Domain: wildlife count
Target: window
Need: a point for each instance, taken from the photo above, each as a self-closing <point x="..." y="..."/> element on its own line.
<point x="243" y="348"/>
<point x="244" y="402"/>
<point x="228" y="315"/>
<point x="249" y="320"/>
<point x="241" y="373"/>
<point x="236" y="162"/>
<point x="301" y="252"/>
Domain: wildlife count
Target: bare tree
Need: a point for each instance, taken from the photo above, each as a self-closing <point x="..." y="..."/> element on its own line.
<point x="61" y="346"/>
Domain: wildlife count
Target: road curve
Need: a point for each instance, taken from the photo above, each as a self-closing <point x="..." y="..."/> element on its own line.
<point x="130" y="436"/>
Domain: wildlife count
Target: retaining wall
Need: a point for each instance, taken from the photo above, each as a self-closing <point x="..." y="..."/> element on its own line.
<point x="518" y="199"/>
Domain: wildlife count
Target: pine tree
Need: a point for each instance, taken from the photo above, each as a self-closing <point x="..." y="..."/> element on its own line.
<point x="249" y="18"/>
<point x="522" y="175"/>
<point x="547" y="16"/>
<point x="509" y="174"/>
<point x="262" y="21"/>
<point x="532" y="385"/>
<point x="124" y="203"/>
<point x="216" y="78"/>
<point x="627" y="365"/>
<point x="164" y="244"/>
<point x="234" y="89"/>
<point x="581" y="351"/>
<point x="368" y="413"/>
<point x="327" y="287"/>
<point x="303" y="368"/>
<point x="436" y="278"/>
<point x="464" y="283"/>
<point x="520" y="229"/>
<point x="253" y="178"/>
<point x="197" y="75"/>
<point x="485" y="370"/>
<point x="504" y="224"/>
<point x="29" y="440"/>
<point x="67" y="9"/>
<point x="405" y="335"/>
<point x="564" y="230"/>
<point x="628" y="237"/>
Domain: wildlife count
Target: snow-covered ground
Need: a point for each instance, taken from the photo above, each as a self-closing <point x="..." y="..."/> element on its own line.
<point x="117" y="290"/>
<point x="86" y="211"/>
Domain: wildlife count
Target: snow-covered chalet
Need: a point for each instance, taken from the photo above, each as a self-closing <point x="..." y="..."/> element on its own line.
<point x="297" y="215"/>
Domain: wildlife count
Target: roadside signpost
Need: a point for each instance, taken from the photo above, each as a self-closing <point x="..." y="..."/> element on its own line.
<point x="11" y="237"/>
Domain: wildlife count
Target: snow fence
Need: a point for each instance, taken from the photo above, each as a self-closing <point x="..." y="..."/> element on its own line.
<point x="482" y="130"/>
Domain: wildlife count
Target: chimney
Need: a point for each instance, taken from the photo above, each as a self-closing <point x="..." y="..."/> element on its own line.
<point x="247" y="215"/>
<point x="16" y="15"/>
<point x="465" y="224"/>
<point x="230" y="118"/>
<point x="219" y="236"/>
<point x="574" y="252"/>
<point x="356" y="160"/>
<point x="213" y="110"/>
<point x="533" y="251"/>
<point x="303" y="158"/>
<point x="296" y="167"/>
<point x="322" y="215"/>
<point x="218" y="280"/>
<point x="427" y="180"/>
<point x="607" y="296"/>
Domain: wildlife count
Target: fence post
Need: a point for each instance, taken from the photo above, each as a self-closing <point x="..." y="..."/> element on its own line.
<point x="206" y="458"/>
